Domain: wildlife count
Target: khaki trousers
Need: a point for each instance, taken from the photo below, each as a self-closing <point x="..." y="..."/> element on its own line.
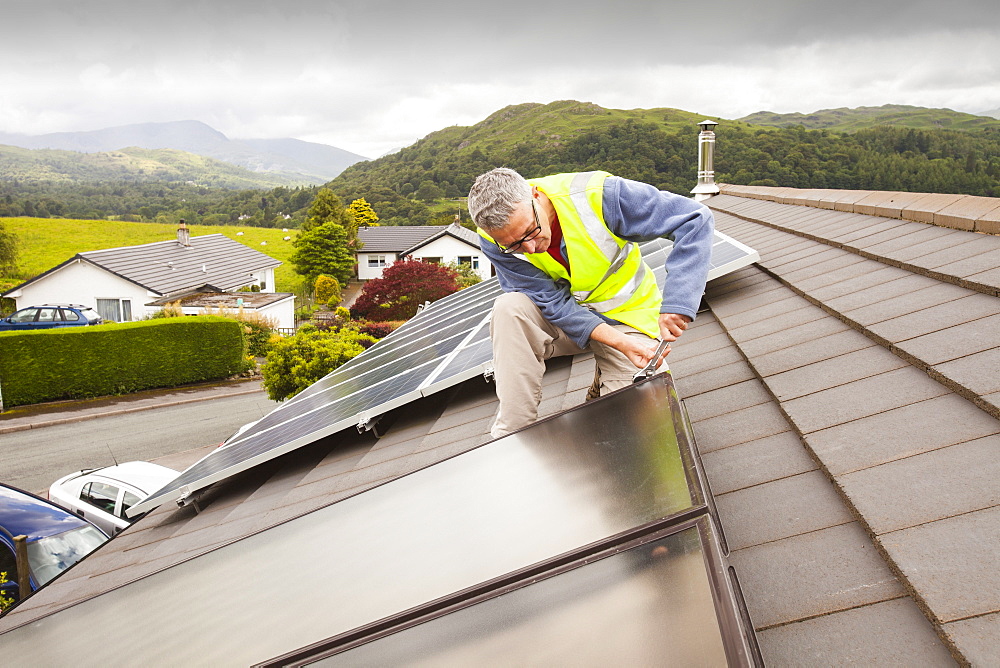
<point x="522" y="340"/>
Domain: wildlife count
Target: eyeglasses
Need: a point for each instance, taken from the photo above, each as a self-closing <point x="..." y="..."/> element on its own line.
<point x="514" y="247"/>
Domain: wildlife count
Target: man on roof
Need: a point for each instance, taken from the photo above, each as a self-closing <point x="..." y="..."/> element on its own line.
<point x="565" y="248"/>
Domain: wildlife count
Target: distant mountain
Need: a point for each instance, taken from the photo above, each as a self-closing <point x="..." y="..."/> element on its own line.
<point x="851" y="120"/>
<point x="292" y="160"/>
<point x="130" y="165"/>
<point x="992" y="113"/>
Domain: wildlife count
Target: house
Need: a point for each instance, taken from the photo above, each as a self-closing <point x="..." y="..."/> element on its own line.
<point x="384" y="245"/>
<point x="842" y="399"/>
<point x="131" y="282"/>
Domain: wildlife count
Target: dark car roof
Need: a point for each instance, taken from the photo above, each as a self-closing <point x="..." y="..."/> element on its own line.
<point x="25" y="514"/>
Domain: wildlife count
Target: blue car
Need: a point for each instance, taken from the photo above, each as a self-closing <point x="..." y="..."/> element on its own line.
<point x="48" y="316"/>
<point x="56" y="539"/>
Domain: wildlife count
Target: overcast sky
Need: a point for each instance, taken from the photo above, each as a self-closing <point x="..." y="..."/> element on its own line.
<point x="371" y="76"/>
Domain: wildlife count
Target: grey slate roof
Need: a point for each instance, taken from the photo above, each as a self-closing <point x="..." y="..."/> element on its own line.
<point x="401" y="239"/>
<point x="167" y="267"/>
<point x="844" y="396"/>
<point x="456" y="231"/>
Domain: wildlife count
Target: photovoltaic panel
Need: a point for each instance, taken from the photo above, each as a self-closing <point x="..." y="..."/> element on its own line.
<point x="728" y="255"/>
<point x="445" y="344"/>
<point x="442" y="346"/>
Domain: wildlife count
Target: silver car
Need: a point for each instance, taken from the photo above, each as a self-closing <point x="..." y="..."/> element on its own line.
<point x="103" y="495"/>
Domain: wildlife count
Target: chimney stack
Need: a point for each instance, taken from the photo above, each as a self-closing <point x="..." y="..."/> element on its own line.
<point x="183" y="234"/>
<point x="706" y="170"/>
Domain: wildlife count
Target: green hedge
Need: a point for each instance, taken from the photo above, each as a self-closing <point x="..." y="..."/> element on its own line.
<point x="79" y="362"/>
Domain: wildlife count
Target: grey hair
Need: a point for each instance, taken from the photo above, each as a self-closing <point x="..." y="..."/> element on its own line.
<point x="494" y="195"/>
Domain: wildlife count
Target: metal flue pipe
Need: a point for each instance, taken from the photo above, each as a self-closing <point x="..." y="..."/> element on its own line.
<point x="706" y="154"/>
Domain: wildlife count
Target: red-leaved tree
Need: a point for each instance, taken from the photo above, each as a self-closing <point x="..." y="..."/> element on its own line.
<point x="403" y="287"/>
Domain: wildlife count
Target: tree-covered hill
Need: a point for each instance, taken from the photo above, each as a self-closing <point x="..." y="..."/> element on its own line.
<point x="659" y="146"/>
<point x="860" y="118"/>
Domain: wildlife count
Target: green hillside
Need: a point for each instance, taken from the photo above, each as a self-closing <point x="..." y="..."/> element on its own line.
<point x="553" y="124"/>
<point x="896" y="115"/>
<point x="423" y="183"/>
<point x="45" y="242"/>
<point x="129" y="165"/>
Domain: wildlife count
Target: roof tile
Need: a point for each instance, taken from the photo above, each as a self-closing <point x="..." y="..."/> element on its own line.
<point x="886" y="633"/>
<point x="757" y="462"/>
<point x="813" y="574"/>
<point x="901" y="432"/>
<point x="952" y="564"/>
<point x="862" y="398"/>
<point x="953" y="480"/>
<point x="780" y="509"/>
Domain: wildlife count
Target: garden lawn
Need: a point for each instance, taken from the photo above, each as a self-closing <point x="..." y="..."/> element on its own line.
<point x="47" y="242"/>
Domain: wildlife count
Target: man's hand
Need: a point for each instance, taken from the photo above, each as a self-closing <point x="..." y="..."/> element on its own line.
<point x="639" y="351"/>
<point x="672" y="325"/>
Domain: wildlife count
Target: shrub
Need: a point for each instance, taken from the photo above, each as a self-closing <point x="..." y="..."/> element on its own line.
<point x="80" y="362"/>
<point x="378" y="330"/>
<point x="169" y="310"/>
<point x="5" y="601"/>
<point x="467" y="276"/>
<point x="402" y="289"/>
<point x="257" y="328"/>
<point x="327" y="290"/>
<point x="296" y="362"/>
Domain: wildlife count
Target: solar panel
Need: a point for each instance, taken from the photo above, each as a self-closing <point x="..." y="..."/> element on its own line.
<point x="728" y="255"/>
<point x="652" y="604"/>
<point x="443" y="345"/>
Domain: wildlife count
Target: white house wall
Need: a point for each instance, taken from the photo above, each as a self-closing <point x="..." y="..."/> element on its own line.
<point x="365" y="272"/>
<point x="82" y="283"/>
<point x="283" y="312"/>
<point x="264" y="278"/>
<point x="449" y="249"/>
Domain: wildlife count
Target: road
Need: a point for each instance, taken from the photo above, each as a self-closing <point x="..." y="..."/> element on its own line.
<point x="34" y="459"/>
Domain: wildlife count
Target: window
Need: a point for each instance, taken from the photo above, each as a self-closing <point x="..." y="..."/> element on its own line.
<point x="70" y="316"/>
<point x="376" y="261"/>
<point x="48" y="315"/>
<point x="115" y="310"/>
<point x="469" y="259"/>
<point x="432" y="260"/>
<point x="27" y="315"/>
<point x="100" y="495"/>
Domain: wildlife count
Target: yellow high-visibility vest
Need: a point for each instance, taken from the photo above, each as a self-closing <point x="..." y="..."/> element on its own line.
<point x="606" y="273"/>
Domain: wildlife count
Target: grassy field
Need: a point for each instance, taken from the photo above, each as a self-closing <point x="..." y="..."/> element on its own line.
<point x="46" y="242"/>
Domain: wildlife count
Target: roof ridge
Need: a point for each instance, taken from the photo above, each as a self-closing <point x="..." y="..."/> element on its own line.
<point x="153" y="243"/>
<point x="963" y="212"/>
